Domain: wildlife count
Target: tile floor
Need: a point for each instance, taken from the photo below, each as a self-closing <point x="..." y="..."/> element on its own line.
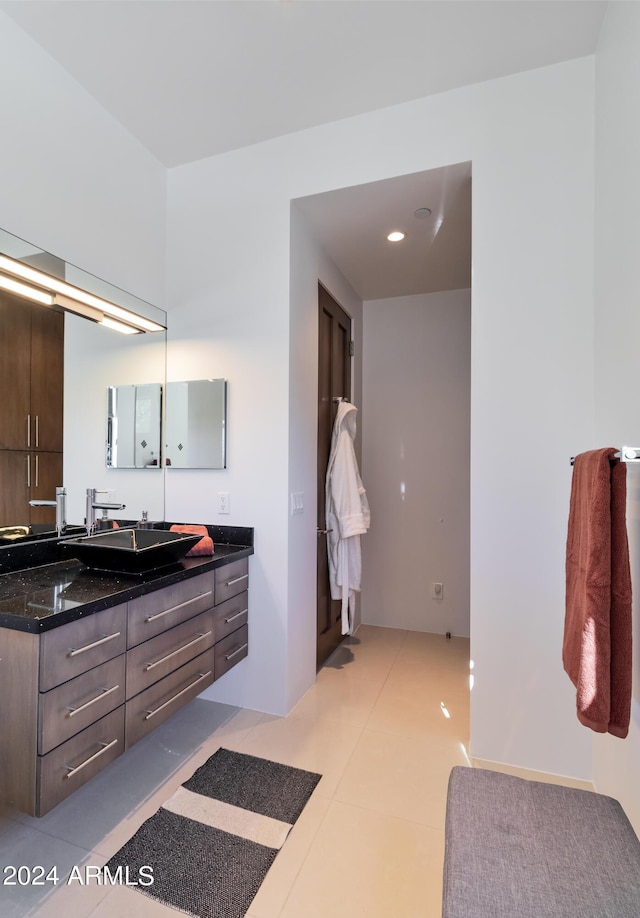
<point x="386" y="720"/>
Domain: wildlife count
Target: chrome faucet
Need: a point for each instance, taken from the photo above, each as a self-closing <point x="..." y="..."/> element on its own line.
<point x="93" y="505"/>
<point x="60" y="503"/>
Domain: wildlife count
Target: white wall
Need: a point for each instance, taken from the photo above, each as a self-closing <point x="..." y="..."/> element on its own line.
<point x="530" y="139"/>
<point x="75" y="182"/>
<point x="228" y="244"/>
<point x="617" y="762"/>
<point x="416" y="449"/>
<point x="94" y="359"/>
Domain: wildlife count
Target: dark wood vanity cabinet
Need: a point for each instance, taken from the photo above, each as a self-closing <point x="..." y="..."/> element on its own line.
<point x="47" y="379"/>
<point x="15" y="370"/>
<point x="26" y="476"/>
<point x="31" y="408"/>
<point x="77" y="696"/>
<point x="14" y="487"/>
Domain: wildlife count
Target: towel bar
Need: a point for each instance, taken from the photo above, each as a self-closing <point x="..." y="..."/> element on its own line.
<point x="626" y="454"/>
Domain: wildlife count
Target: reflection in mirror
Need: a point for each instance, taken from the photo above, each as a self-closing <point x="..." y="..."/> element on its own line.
<point x="196" y="424"/>
<point x="134" y="415"/>
<point x="94" y="355"/>
<point x="93" y="360"/>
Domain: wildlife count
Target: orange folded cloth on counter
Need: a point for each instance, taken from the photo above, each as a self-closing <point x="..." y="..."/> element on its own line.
<point x="204" y="546"/>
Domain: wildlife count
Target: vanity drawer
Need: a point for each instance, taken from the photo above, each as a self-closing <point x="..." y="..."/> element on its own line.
<point x="72" y="764"/>
<point x="156" y="612"/>
<point x="232" y="579"/>
<point x="73" y="706"/>
<point x="73" y="649"/>
<point x="231" y="615"/>
<point x="149" y="662"/>
<point x="153" y="706"/>
<point x="231" y="650"/>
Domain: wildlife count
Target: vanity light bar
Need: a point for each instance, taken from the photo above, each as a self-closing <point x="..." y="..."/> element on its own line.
<point x="95" y="315"/>
<point x="49" y="299"/>
<point x="119" y="326"/>
<point x="53" y="285"/>
<point x="38" y="296"/>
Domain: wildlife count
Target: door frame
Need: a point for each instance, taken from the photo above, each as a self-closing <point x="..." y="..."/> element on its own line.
<point x="335" y="372"/>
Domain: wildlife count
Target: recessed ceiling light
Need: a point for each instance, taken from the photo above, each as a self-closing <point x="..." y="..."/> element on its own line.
<point x="396" y="236"/>
<point x="422" y="213"/>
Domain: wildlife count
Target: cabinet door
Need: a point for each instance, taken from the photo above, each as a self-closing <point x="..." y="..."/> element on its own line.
<point x="153" y="706"/>
<point x="160" y="610"/>
<point x="45" y="477"/>
<point x="14" y="492"/>
<point x="47" y="371"/>
<point x="231" y="615"/>
<point x="73" y="649"/>
<point x="15" y="360"/>
<point x="232" y="579"/>
<point x="75" y="705"/>
<point x="69" y="766"/>
<point x="231" y="650"/>
<point x="149" y="662"/>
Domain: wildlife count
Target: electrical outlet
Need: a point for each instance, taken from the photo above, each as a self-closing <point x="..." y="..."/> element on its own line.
<point x="223" y="502"/>
<point x="437" y="590"/>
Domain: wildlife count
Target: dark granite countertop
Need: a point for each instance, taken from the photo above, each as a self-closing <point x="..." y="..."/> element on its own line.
<point x="42" y="597"/>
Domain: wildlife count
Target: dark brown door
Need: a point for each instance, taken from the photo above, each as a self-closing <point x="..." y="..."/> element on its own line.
<point x="334" y="380"/>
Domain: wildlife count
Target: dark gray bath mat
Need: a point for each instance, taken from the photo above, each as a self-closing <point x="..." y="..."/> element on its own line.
<point x="208" y="849"/>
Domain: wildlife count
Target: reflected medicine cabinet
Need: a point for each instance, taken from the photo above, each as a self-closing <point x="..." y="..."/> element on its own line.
<point x="134" y="418"/>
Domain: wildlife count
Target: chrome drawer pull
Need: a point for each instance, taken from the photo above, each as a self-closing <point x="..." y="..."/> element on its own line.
<point x="37" y="430"/>
<point x="232" y="618"/>
<point x="181" y="605"/>
<point x="103" y="640"/>
<point x="74" y="771"/>
<point x="175" y="652"/>
<point x="235" y="653"/>
<point x="28" y="431"/>
<point x="87" y="704"/>
<point x="237" y="580"/>
<point x="151" y="714"/>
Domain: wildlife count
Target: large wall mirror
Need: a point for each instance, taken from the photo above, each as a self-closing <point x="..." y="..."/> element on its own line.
<point x="94" y="356"/>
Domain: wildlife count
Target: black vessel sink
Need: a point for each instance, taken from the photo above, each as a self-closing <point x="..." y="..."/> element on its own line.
<point x="130" y="550"/>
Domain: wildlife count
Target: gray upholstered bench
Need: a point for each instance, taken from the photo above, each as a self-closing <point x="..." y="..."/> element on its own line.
<point x="524" y="849"/>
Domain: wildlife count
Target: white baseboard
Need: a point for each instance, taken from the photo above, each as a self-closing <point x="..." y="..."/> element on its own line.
<point x="530" y="775"/>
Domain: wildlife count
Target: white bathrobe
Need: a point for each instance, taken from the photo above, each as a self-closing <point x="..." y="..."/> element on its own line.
<point x="347" y="514"/>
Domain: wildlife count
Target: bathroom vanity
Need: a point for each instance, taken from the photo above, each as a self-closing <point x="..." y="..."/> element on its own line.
<point x="91" y="662"/>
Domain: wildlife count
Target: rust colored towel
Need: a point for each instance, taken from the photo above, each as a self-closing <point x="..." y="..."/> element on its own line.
<point x="204" y="546"/>
<point x="596" y="651"/>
